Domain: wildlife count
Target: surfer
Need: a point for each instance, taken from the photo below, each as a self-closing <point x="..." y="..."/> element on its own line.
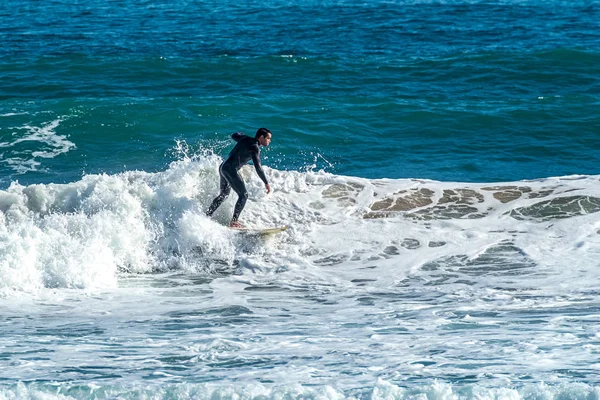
<point x="246" y="149"/>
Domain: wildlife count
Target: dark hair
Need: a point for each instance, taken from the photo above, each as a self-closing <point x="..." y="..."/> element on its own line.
<point x="261" y="132"/>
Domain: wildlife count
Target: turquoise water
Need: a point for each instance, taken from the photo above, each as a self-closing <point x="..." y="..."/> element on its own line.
<point x="460" y="91"/>
<point x="438" y="163"/>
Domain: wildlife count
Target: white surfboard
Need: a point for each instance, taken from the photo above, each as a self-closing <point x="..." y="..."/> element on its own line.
<point x="262" y="231"/>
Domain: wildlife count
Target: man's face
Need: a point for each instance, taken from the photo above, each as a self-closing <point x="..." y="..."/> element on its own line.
<point x="265" y="140"/>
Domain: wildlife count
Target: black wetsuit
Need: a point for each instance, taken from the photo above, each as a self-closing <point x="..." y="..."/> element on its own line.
<point x="246" y="149"/>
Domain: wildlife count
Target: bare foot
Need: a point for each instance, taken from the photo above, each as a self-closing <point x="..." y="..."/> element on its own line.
<point x="236" y="224"/>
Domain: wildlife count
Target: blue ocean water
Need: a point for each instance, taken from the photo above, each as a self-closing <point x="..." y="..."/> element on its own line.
<point x="438" y="163"/>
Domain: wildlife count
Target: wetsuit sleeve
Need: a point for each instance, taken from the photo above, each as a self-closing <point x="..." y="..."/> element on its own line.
<point x="258" y="166"/>
<point x="237" y="136"/>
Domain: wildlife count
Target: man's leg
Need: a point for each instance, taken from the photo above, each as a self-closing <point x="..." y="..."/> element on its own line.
<point x="237" y="184"/>
<point x="225" y="189"/>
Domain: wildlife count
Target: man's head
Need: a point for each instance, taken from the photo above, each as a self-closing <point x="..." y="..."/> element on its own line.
<point x="263" y="135"/>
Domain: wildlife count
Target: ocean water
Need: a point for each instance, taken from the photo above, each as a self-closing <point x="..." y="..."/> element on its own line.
<point x="437" y="162"/>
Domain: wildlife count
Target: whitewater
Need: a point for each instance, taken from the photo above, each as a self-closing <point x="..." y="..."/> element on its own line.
<point x="118" y="286"/>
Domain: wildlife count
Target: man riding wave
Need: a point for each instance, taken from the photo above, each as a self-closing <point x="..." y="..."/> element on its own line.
<point x="246" y="149"/>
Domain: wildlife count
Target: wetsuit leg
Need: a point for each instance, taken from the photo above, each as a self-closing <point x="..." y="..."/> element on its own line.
<point x="237" y="184"/>
<point x="225" y="189"/>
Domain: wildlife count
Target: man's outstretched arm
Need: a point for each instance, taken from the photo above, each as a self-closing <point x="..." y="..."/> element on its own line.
<point x="259" y="171"/>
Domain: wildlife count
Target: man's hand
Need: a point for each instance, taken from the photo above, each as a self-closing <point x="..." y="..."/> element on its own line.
<point x="268" y="188"/>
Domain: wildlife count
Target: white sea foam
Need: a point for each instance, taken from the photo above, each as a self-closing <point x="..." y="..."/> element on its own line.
<point x="83" y="234"/>
<point x="29" y="144"/>
<point x="382" y="390"/>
